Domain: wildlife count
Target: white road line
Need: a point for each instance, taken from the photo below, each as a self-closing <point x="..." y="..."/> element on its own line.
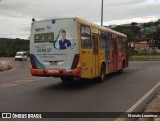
<point x="13" y="82"/>
<point x="12" y="69"/>
<point x="19" y="82"/>
<point x="139" y="101"/>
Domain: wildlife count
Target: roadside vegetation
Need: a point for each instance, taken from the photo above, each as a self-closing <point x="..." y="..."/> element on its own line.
<point x="134" y="31"/>
<point x="135" y="56"/>
<point x="144" y="58"/>
<point x="9" y="47"/>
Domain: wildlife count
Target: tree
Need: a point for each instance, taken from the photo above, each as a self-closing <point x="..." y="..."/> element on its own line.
<point x="130" y="34"/>
<point x="135" y="29"/>
<point x="130" y="31"/>
<point x="134" y="24"/>
<point x="11" y="46"/>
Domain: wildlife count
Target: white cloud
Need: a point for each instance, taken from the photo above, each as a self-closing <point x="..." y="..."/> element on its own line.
<point x="14" y="27"/>
<point x="16" y="15"/>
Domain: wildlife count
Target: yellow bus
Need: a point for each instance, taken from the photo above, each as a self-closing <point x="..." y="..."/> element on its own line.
<point x="73" y="47"/>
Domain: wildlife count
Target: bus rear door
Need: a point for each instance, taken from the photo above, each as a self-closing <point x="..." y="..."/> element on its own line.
<point x="115" y="53"/>
<point x="95" y="55"/>
<point x="89" y="52"/>
<point x="86" y="53"/>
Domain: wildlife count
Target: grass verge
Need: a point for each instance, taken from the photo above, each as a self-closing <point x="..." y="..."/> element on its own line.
<point x="144" y="58"/>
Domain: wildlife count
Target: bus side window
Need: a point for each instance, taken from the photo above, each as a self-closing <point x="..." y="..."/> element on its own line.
<point x="109" y="42"/>
<point x="123" y="43"/>
<point x="119" y="41"/>
<point x="102" y="40"/>
<point x="86" y="37"/>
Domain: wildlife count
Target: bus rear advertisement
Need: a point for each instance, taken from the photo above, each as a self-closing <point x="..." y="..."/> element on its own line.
<point x="72" y="47"/>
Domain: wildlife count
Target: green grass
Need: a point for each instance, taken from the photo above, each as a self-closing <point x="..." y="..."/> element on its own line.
<point x="144" y="58"/>
<point x="151" y="54"/>
<point x="151" y="119"/>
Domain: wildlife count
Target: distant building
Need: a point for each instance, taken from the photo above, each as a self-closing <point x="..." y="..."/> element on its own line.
<point x="112" y="26"/>
<point x="151" y="29"/>
<point x="141" y="45"/>
<point x="142" y="30"/>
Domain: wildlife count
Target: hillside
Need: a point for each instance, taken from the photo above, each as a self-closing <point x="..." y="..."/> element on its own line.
<point x="9" y="47"/>
<point x="141" y="31"/>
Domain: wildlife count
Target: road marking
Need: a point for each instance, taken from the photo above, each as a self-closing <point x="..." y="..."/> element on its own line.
<point x="19" y="82"/>
<point x="139" y="101"/>
<point x="12" y="69"/>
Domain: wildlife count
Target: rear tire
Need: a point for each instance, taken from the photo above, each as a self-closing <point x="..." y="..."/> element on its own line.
<point x="120" y="71"/>
<point x="102" y="76"/>
<point x="123" y="66"/>
<point x="67" y="79"/>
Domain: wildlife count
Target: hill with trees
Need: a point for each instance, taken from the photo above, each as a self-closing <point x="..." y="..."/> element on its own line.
<point x="141" y="31"/>
<point x="9" y="47"/>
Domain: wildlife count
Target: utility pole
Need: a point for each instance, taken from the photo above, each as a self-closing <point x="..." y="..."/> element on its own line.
<point x="102" y="14"/>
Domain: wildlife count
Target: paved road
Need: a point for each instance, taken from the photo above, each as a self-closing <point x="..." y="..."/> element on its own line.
<point x="20" y="92"/>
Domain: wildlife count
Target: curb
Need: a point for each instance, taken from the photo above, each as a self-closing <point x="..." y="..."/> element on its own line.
<point x="140" y="104"/>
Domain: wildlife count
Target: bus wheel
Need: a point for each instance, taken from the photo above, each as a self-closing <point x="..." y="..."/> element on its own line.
<point x="120" y="71"/>
<point x="65" y="79"/>
<point x="123" y="66"/>
<point x="102" y="74"/>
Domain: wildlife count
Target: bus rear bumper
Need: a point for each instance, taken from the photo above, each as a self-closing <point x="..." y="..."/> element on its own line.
<point x="55" y="72"/>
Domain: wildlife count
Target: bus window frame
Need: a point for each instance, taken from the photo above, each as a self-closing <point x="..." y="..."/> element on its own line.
<point x="123" y="43"/>
<point x="109" y="44"/>
<point x="104" y="39"/>
<point x="91" y="45"/>
<point x="119" y="42"/>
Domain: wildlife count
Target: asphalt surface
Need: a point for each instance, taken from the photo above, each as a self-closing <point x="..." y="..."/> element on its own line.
<point x="21" y="92"/>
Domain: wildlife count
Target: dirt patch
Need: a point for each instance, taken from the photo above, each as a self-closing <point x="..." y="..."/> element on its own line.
<point x="4" y="65"/>
<point x="153" y="106"/>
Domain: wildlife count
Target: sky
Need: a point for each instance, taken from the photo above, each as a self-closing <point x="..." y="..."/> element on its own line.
<point x="16" y="15"/>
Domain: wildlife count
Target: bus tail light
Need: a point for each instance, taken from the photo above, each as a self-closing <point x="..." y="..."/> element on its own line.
<point x="33" y="62"/>
<point x="75" y="61"/>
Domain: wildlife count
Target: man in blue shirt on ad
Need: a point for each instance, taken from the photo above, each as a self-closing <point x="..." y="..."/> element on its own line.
<point x="64" y="43"/>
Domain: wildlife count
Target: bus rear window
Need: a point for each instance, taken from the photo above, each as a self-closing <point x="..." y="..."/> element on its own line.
<point x="86" y="37"/>
<point x="44" y="37"/>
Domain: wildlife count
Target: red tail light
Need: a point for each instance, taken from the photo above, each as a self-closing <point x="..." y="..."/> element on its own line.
<point x="75" y="61"/>
<point x="33" y="62"/>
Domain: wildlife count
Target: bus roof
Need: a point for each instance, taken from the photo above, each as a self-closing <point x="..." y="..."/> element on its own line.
<point x="86" y="22"/>
<point x="37" y="21"/>
<point x="99" y="27"/>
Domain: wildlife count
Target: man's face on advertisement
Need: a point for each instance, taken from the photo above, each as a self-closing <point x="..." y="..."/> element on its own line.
<point x="63" y="35"/>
